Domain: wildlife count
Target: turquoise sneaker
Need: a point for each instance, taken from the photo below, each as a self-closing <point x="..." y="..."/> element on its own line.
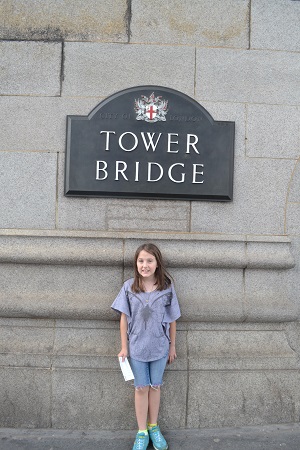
<point x="141" y="441"/>
<point x="158" y="441"/>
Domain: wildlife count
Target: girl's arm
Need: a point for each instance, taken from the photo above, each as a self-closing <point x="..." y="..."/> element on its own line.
<point x="123" y="331"/>
<point x="172" y="351"/>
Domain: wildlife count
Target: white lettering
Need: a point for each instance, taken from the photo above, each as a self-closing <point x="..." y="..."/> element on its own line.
<point x="121" y="170"/>
<point x="99" y="169"/>
<point x="135" y="140"/>
<point x="150" y="164"/>
<point x="195" y="172"/>
<point x="170" y="173"/>
<point x="191" y="144"/>
<point x="150" y="137"/>
<point x="107" y="138"/>
<point x="137" y="165"/>
<point x="172" y="142"/>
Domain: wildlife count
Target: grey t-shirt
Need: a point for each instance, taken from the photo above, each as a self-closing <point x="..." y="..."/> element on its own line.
<point x="149" y="316"/>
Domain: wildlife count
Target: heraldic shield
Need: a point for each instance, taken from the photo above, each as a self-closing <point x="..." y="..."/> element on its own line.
<point x="149" y="142"/>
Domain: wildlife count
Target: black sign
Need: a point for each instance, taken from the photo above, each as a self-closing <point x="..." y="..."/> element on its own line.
<point x="149" y="142"/>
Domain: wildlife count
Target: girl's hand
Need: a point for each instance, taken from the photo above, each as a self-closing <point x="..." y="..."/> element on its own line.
<point x="172" y="354"/>
<point x="123" y="354"/>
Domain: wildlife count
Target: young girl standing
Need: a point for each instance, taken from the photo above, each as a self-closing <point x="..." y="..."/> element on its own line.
<point x="149" y="309"/>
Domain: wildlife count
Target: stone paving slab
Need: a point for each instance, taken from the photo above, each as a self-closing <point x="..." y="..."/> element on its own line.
<point x="268" y="437"/>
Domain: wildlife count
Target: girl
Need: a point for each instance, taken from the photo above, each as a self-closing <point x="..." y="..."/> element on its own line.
<point x="149" y="310"/>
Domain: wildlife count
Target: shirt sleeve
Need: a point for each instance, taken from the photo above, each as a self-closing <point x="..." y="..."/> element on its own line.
<point x="172" y="311"/>
<point x="121" y="302"/>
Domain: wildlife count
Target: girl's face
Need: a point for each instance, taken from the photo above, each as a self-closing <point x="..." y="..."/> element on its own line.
<point x="146" y="265"/>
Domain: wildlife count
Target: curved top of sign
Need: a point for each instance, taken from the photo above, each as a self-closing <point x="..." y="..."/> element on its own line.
<point x="149" y="142"/>
<point x="158" y="94"/>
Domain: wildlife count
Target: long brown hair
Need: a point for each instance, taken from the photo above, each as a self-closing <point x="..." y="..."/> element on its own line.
<point x="163" y="278"/>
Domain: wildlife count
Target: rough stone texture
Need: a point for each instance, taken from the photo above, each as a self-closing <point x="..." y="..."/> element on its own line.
<point x="102" y="249"/>
<point x="60" y="277"/>
<point x="294" y="187"/>
<point x="266" y="255"/>
<point x="58" y="291"/>
<point x="61" y="250"/>
<point x="269" y="295"/>
<point x="293" y="218"/>
<point x="273" y="131"/>
<point x="220" y="24"/>
<point x="77" y="395"/>
<point x="247" y="76"/>
<point x="40" y="121"/>
<point x="67" y="19"/>
<point x="260" y="190"/>
<point x="148" y="215"/>
<point x="240" y="350"/>
<point x="30" y="68"/>
<point x="101" y="69"/>
<point x="275" y="25"/>
<point x="28" y="189"/>
<point x="241" y="398"/>
<point x="25" y="397"/>
<point x="205" y="300"/>
<point x="227" y="373"/>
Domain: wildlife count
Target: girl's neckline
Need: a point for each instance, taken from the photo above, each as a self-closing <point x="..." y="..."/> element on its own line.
<point x="150" y="289"/>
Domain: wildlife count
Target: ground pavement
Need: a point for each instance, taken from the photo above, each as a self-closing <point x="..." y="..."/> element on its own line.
<point x="275" y="437"/>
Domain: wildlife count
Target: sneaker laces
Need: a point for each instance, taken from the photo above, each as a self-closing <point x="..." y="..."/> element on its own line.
<point x="140" y="441"/>
<point x="157" y="434"/>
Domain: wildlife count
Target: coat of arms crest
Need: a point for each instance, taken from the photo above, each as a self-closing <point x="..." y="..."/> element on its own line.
<point x="151" y="109"/>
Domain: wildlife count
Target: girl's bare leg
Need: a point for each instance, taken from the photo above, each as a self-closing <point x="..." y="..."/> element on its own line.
<point x="153" y="402"/>
<point x="141" y="406"/>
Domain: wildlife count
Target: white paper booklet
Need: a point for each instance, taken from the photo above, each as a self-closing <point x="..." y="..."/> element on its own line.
<point x="126" y="369"/>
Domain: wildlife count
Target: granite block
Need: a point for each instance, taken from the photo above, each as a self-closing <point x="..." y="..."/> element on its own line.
<point x="61" y="250"/>
<point x="228" y="398"/>
<point x="83" y="399"/>
<point x="192" y="254"/>
<point x="96" y="342"/>
<point x="173" y="408"/>
<point x="240" y="350"/>
<point x="149" y="215"/>
<point x="294" y="188"/>
<point x="209" y="24"/>
<point x="275" y="25"/>
<point x="68" y="20"/>
<point x="293" y="219"/>
<point x="93" y="69"/>
<point x="79" y="213"/>
<point x="30" y="68"/>
<point x="28" y="190"/>
<point x="268" y="255"/>
<point x="13" y="360"/>
<point x="38" y="123"/>
<point x="25" y="398"/>
<point x="259" y="200"/>
<point x="254" y="76"/>
<point x="64" y="292"/>
<point x="269" y="296"/>
<point x="210" y="295"/>
<point x="273" y="131"/>
<point x="14" y="339"/>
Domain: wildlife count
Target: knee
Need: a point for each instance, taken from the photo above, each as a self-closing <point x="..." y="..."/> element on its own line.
<point x="141" y="390"/>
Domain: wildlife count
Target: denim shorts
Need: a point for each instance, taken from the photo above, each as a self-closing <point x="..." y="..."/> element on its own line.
<point x="148" y="373"/>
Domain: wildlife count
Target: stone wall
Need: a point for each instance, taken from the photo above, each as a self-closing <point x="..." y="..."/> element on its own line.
<point x="63" y="260"/>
